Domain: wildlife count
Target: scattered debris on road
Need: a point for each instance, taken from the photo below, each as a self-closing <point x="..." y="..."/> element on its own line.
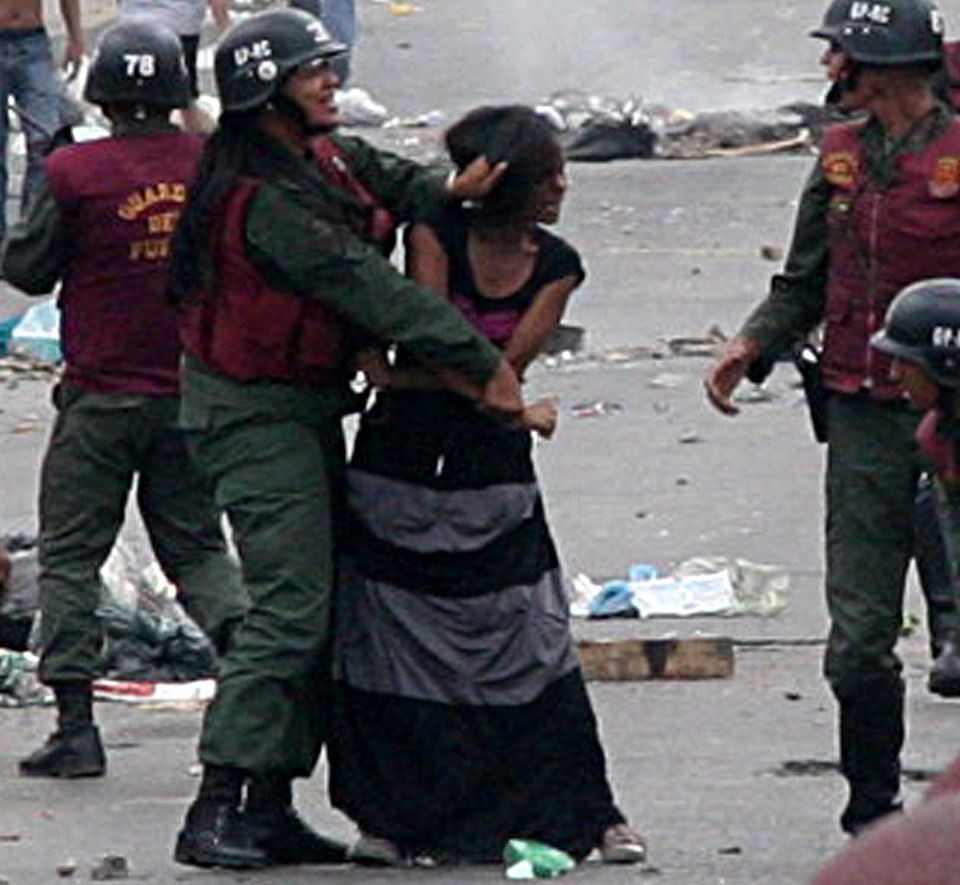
<point x="65" y="869"/>
<point x="699" y="586"/>
<point x="111" y="867"/>
<point x="595" y="409"/>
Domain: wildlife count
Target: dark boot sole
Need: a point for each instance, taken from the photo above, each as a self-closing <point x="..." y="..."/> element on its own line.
<point x="64" y="773"/>
<point x="309" y="852"/>
<point x="298" y="858"/>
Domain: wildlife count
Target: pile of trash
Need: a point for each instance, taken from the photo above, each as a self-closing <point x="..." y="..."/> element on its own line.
<point x="599" y="128"/>
<point x="567" y="349"/>
<point x="148" y="635"/>
<point x="594" y="127"/>
<point x="697" y="587"/>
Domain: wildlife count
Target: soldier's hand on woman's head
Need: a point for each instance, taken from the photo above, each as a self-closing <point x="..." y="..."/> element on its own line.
<point x="476" y="180"/>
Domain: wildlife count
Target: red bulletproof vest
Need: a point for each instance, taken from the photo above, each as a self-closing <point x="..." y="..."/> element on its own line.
<point x="120" y="199"/>
<point x="380" y="224"/>
<point x="250" y="331"/>
<point x="882" y="239"/>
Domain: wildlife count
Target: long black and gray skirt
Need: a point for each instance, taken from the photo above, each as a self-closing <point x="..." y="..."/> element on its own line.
<point x="461" y="718"/>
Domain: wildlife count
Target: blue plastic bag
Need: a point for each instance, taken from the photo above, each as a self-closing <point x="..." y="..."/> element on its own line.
<point x="615" y="600"/>
<point x="38" y="333"/>
<point x="6" y="330"/>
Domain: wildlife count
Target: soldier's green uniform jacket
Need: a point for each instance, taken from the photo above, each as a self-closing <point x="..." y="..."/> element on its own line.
<point x="275" y="450"/>
<point x="873" y="461"/>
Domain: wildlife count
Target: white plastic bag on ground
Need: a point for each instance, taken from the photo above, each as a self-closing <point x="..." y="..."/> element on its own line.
<point x="358" y="108"/>
<point x="759" y="588"/>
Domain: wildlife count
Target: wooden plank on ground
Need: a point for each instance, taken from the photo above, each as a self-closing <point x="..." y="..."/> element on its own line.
<point x="627" y="660"/>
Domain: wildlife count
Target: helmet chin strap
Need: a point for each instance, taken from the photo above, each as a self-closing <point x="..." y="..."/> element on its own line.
<point x="287" y="107"/>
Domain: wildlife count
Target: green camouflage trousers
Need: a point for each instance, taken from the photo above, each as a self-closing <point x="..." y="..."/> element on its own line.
<point x="873" y="466"/>
<point x="275" y="455"/>
<point x="100" y="443"/>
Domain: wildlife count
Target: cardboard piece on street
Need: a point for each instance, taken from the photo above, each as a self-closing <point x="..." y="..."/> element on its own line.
<point x="629" y="660"/>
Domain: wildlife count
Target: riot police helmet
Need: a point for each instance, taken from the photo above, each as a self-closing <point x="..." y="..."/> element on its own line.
<point x="833" y="19"/>
<point x="257" y="56"/>
<point x="138" y="62"/>
<point x="887" y="33"/>
<point x="923" y="327"/>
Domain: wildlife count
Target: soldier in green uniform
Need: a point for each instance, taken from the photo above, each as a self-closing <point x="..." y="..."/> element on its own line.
<point x="880" y="210"/>
<point x="277" y="281"/>
<point x="930" y="555"/>
<point x="101" y="227"/>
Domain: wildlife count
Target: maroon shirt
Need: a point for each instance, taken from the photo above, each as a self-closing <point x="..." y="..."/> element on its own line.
<point x="120" y="199"/>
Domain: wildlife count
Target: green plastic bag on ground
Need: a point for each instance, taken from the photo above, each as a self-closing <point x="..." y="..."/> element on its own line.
<point x="526" y="859"/>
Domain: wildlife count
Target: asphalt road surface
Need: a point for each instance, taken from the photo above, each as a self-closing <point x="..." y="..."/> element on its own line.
<point x="731" y="780"/>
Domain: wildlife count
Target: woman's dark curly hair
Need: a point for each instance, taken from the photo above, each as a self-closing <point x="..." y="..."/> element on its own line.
<point x="516" y="134"/>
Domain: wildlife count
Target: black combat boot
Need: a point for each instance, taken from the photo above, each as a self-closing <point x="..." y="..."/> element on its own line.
<point x="281" y="832"/>
<point x="214" y="833"/>
<point x="871" y="737"/>
<point x="74" y="749"/>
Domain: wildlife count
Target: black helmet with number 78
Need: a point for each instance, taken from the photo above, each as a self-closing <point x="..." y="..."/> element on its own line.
<point x="255" y="57"/>
<point x="886" y="32"/>
<point x="923" y="327"/>
<point x="138" y="63"/>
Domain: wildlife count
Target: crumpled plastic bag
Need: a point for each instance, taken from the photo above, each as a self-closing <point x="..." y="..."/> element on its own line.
<point x="148" y="634"/>
<point x="18" y="599"/>
<point x="758" y="588"/>
<point x="359" y="108"/>
<point x="38" y="333"/>
<point x="150" y="647"/>
<point x="615" y="600"/>
<point x="19" y="685"/>
<point x="528" y="859"/>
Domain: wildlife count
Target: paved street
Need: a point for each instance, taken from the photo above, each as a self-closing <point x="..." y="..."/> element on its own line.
<point x="731" y="779"/>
